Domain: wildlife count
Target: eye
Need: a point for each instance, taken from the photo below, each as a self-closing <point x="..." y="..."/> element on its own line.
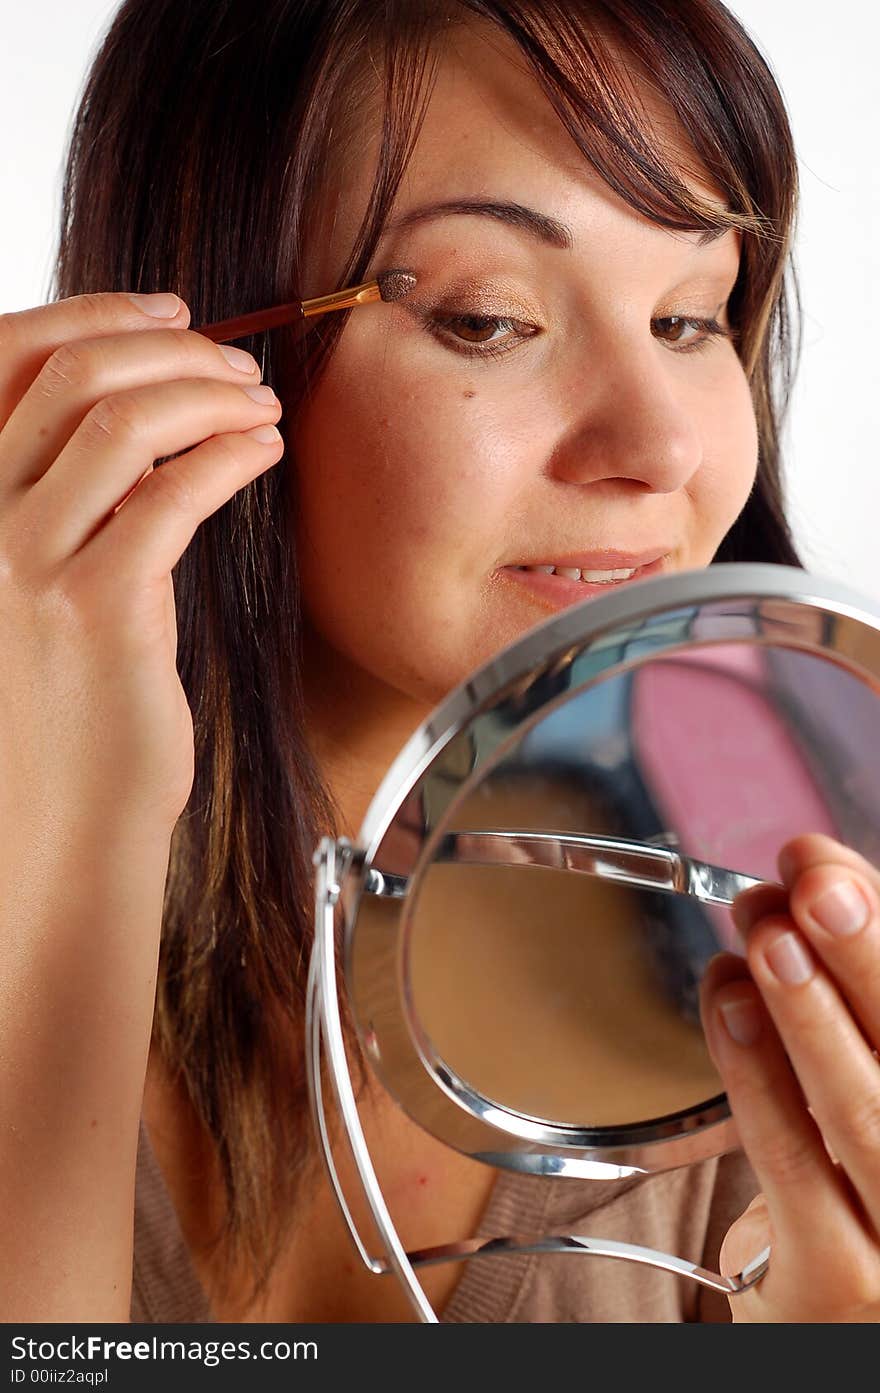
<point x="490" y="335"/>
<point x="479" y="335"/>
<point x="673" y="329"/>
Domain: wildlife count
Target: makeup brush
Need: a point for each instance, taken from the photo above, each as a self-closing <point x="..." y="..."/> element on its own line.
<point x="391" y="285"/>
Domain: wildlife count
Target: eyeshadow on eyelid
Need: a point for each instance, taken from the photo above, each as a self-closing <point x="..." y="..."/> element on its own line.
<point x="443" y="290"/>
<point x="481" y="295"/>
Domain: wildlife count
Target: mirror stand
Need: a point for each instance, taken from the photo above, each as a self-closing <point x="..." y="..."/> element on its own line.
<point x="324" y="1030"/>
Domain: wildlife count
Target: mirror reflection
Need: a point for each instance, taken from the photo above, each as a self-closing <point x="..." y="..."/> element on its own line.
<point x="567" y="990"/>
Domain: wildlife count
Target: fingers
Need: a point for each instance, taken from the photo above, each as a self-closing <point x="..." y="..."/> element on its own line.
<point x="794" y="1032"/>
<point x="815" y="848"/>
<point x="833" y="896"/>
<point x="756" y="903"/>
<point x="746" y="1238"/>
<point x="838" y="912"/>
<point x="29" y="337"/>
<point x="818" y="970"/>
<point x="83" y="372"/>
<point x="148" y="536"/>
<point x="804" y="1191"/>
<point x="116" y="444"/>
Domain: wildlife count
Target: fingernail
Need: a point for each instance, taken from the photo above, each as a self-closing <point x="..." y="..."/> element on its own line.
<point x="741" y="1019"/>
<point x="789" y="960"/>
<point x="842" y="910"/>
<point x="788" y="864"/>
<point x="745" y="910"/>
<point x="237" y="358"/>
<point x="162" y="306"/>
<point x="262" y="394"/>
<point x="267" y="435"/>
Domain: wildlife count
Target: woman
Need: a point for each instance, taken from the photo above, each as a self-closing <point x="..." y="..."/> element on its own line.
<point x="590" y="361"/>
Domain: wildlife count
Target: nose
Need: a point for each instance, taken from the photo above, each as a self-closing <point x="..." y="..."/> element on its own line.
<point x="633" y="422"/>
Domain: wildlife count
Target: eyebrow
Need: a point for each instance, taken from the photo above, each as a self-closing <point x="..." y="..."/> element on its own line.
<point x="538" y="225"/>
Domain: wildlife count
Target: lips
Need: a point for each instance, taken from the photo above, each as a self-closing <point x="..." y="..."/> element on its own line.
<point x="601" y="560"/>
<point x="558" y="592"/>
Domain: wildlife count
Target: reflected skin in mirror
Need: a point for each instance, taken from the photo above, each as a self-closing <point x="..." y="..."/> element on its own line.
<point x="430" y="460"/>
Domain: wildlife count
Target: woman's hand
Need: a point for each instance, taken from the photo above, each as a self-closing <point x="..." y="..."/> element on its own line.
<point x="810" y="1123"/>
<point x="96" y="752"/>
<point x="93" y="390"/>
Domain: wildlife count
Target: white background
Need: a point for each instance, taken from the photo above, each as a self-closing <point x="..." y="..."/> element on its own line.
<point x="825" y="62"/>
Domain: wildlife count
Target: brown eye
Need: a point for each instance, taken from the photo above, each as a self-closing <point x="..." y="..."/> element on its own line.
<point x="477" y="328"/>
<point x="676" y="326"/>
<point x="479" y="334"/>
<point x="674" y="330"/>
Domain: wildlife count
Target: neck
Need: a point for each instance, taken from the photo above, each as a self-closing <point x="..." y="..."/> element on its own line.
<point x="357" y="726"/>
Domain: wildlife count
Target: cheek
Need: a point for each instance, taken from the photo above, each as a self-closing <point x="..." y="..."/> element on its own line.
<point x="387" y="471"/>
<point x="403" y="492"/>
<point x="730" y="459"/>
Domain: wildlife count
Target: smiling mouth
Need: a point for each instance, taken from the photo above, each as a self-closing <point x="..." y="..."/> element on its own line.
<point x="591" y="577"/>
<point x="559" y="586"/>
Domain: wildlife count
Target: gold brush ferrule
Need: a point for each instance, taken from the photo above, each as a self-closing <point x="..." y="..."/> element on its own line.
<point x="342" y="299"/>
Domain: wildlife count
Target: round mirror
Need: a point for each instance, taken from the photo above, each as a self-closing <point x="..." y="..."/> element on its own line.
<point x="550" y="863"/>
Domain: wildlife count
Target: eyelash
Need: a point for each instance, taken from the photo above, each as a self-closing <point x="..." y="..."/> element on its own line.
<point x="439" y="326"/>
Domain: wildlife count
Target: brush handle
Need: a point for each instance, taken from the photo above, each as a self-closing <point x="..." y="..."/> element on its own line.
<point x="294" y="310"/>
<point x="228" y="329"/>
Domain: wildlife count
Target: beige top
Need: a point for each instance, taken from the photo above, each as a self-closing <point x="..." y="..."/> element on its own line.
<point x="685" y="1212"/>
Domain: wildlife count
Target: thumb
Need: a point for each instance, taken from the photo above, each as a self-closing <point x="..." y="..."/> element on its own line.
<point x="745" y="1238"/>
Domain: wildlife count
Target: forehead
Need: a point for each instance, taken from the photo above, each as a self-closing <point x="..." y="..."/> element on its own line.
<point x="487" y="108"/>
<point x="489" y="130"/>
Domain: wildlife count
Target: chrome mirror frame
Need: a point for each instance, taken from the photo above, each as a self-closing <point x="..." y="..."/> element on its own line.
<point x="407" y="827"/>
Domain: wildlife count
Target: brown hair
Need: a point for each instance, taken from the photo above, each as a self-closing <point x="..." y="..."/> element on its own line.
<point x="198" y="158"/>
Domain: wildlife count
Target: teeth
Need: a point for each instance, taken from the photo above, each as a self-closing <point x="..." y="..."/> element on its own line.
<point x="572" y="573"/>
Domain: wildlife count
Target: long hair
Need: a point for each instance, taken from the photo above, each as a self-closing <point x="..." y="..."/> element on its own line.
<point x="202" y="144"/>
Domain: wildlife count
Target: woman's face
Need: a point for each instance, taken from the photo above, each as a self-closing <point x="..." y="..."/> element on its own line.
<point x="431" y="467"/>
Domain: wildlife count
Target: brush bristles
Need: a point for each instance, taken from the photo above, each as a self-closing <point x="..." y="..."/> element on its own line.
<point x="393" y="285"/>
